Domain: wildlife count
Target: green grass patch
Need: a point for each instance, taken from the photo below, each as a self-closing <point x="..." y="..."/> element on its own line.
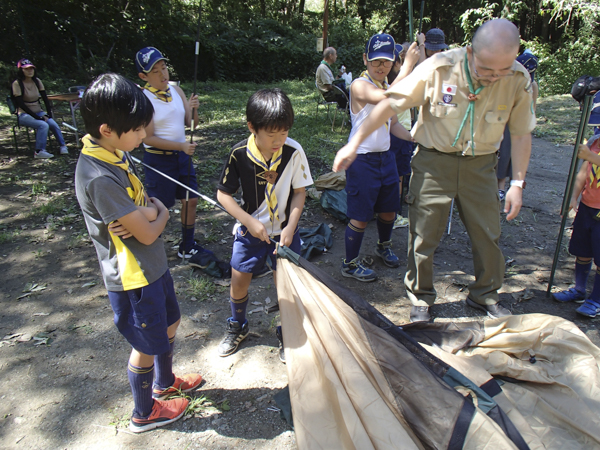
<point x="558" y="119"/>
<point x="54" y="206"/>
<point x="201" y="287"/>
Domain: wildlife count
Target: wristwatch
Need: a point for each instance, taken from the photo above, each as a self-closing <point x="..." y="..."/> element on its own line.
<point x="518" y="183"/>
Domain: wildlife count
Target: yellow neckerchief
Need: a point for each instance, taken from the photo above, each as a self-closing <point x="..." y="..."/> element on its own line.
<point x="90" y="148"/>
<point x="383" y="86"/>
<point x="165" y="96"/>
<point x="594" y="175"/>
<point x="256" y="156"/>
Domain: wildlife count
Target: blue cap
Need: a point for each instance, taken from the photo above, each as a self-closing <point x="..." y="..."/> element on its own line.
<point x="146" y="58"/>
<point x="529" y="61"/>
<point x="435" y="39"/>
<point x="381" y="46"/>
<point x="399" y="49"/>
<point x="595" y="114"/>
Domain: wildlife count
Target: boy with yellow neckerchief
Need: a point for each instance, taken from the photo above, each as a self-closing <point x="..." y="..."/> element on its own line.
<point x="372" y="181"/>
<point x="272" y="171"/>
<point x="125" y="226"/>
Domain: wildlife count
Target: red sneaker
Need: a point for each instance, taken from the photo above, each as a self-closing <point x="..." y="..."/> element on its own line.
<point x="186" y="383"/>
<point x="163" y="413"/>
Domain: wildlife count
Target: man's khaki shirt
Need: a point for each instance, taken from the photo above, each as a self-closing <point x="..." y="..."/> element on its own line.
<point x="439" y="85"/>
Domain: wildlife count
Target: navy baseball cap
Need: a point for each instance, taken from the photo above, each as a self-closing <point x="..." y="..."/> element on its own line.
<point x="381" y="46"/>
<point x="529" y="61"/>
<point x="399" y="50"/>
<point x="435" y="40"/>
<point x="146" y="58"/>
<point x="24" y="64"/>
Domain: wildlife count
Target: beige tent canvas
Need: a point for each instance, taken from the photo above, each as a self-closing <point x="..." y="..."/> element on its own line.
<point x="357" y="381"/>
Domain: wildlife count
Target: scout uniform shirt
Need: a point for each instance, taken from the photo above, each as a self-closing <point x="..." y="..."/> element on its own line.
<point x="439" y="85"/>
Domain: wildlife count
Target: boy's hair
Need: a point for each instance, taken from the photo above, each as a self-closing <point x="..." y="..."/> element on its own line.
<point x="113" y="100"/>
<point x="270" y="109"/>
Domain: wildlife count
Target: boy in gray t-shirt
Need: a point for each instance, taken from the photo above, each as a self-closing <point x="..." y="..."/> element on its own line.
<point x="125" y="226"/>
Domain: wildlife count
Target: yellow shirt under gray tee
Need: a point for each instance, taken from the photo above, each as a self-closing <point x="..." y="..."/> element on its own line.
<point x="465" y="172"/>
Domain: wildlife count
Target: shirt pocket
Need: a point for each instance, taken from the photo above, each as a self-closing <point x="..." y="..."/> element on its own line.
<point x="443" y="110"/>
<point x="495" y="122"/>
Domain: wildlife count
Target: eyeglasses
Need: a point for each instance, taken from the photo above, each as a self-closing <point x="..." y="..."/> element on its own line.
<point x="488" y="73"/>
<point x="378" y="62"/>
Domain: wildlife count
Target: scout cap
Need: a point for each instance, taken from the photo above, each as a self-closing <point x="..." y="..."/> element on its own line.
<point x="146" y="58"/>
<point x="381" y="46"/>
<point x="435" y="40"/>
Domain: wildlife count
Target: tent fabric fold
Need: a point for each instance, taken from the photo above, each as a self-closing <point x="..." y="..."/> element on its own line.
<point x="357" y="381"/>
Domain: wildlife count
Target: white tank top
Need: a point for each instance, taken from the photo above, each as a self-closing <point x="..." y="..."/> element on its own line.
<point x="169" y="117"/>
<point x="379" y="140"/>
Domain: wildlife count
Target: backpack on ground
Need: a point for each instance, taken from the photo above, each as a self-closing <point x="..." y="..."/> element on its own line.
<point x="585" y="85"/>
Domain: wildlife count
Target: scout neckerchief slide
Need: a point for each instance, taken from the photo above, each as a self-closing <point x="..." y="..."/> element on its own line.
<point x="470" y="113"/>
<point x="269" y="174"/>
<point x="383" y="86"/>
<point x="165" y="96"/>
<point x="136" y="192"/>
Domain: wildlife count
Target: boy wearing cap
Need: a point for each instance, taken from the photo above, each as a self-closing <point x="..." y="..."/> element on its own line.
<point x="167" y="150"/>
<point x="372" y="182"/>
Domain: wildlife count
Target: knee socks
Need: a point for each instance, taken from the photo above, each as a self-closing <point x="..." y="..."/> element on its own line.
<point x="582" y="270"/>
<point x="164" y="367"/>
<point x="187" y="233"/>
<point x="595" y="295"/>
<point x="238" y="309"/>
<point x="384" y="228"/>
<point x="140" y="380"/>
<point x="353" y="239"/>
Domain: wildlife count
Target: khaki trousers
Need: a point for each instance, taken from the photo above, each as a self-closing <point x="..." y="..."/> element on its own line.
<point x="436" y="179"/>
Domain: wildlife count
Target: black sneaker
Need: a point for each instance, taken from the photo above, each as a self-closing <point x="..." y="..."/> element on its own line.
<point x="420" y="314"/>
<point x="494" y="311"/>
<point x="281" y="348"/>
<point x="234" y="335"/>
<point x="197" y="256"/>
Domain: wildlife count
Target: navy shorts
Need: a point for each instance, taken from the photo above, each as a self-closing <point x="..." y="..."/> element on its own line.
<point x="372" y="186"/>
<point x="176" y="166"/>
<point x="143" y="315"/>
<point x="250" y="254"/>
<point x="585" y="239"/>
<point x="403" y="151"/>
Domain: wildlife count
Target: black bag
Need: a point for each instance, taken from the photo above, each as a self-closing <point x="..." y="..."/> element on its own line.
<point x="585" y="85"/>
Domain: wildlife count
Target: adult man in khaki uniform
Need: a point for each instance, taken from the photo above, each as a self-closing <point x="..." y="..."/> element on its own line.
<point x="466" y="96"/>
<point x="325" y="79"/>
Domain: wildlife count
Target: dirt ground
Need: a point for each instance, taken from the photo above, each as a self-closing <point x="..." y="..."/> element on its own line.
<point x="63" y="361"/>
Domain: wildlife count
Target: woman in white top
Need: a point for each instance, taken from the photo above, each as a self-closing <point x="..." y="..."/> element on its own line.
<point x="27" y="90"/>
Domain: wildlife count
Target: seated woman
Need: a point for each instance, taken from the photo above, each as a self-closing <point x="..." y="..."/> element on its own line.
<point x="27" y="90"/>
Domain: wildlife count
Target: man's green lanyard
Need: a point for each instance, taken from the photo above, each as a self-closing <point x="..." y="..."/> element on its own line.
<point x="327" y="64"/>
<point x="470" y="109"/>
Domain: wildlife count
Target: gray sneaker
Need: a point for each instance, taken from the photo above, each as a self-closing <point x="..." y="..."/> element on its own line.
<point x="234" y="335"/>
<point x="64" y="150"/>
<point x="43" y="154"/>
<point x="355" y="269"/>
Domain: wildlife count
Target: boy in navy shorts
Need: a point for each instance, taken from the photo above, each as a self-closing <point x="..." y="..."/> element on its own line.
<point x="125" y="226"/>
<point x="272" y="171"/>
<point x="372" y="181"/>
<point x="585" y="239"/>
<point x="167" y="150"/>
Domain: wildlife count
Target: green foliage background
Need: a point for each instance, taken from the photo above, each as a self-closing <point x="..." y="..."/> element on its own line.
<point x="271" y="40"/>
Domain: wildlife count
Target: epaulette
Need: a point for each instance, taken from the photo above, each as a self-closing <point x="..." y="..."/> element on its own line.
<point x="443" y="59"/>
<point x="519" y="69"/>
